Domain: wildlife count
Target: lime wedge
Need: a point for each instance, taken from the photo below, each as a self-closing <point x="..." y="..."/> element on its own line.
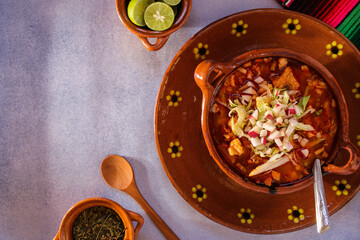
<point x="136" y="9"/>
<point x="159" y="16"/>
<point x="172" y="2"/>
<point x="174" y="8"/>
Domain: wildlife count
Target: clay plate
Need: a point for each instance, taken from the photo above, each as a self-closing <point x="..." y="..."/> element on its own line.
<point x="180" y="143"/>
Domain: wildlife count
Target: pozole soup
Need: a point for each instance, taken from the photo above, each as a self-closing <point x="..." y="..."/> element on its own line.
<point x="271" y="118"/>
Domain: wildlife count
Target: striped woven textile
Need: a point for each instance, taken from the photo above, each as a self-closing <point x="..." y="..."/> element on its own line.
<point x="344" y="15"/>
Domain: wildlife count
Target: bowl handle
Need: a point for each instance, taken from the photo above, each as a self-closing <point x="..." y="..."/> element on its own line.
<point x="205" y="81"/>
<point x="203" y="71"/>
<point x="137" y="218"/>
<point x="352" y="165"/>
<point x="160" y="42"/>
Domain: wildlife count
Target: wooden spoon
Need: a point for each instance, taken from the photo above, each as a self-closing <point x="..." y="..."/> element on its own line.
<point x="118" y="173"/>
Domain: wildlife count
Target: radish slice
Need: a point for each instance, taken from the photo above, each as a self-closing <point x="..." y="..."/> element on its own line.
<point x="273" y="135"/>
<point x="279" y="120"/>
<point x="304" y="153"/>
<point x="269" y="126"/>
<point x="254" y="132"/>
<point x="259" y="124"/>
<point x="291" y="111"/>
<point x="290" y="129"/>
<point x="288" y="146"/>
<point x="303" y="142"/>
<point x="277" y="93"/>
<point x="269" y="115"/>
<point x="263" y="140"/>
<point x="276" y="110"/>
<point x="263" y="133"/>
<point x="255" y="114"/>
<point x="293" y="122"/>
<point x="282" y="113"/>
<point x="255" y="141"/>
<point x="278" y="142"/>
<point x="282" y="132"/>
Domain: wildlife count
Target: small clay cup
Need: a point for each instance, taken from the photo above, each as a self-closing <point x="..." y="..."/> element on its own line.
<point x="209" y="75"/>
<point x="144" y="33"/>
<point x="127" y="216"/>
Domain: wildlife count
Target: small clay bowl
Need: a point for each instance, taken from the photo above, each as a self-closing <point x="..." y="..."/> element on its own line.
<point x="127" y="216"/>
<point x="209" y="75"/>
<point x="144" y="33"/>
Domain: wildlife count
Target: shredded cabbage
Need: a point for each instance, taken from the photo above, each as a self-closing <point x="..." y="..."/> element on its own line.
<point x="304" y="127"/>
<point x="249" y="105"/>
<point x="237" y="126"/>
<point x="279" y="104"/>
<point x="286" y="98"/>
<point x="270" y="164"/>
<point x="234" y="104"/>
<point x="310" y="110"/>
<point x="262" y="104"/>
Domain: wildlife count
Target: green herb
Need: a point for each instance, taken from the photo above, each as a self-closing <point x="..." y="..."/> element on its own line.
<point x="319" y="112"/>
<point x="303" y="102"/>
<point x="98" y="223"/>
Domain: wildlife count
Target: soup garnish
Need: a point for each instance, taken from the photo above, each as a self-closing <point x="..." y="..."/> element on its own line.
<point x="271" y="118"/>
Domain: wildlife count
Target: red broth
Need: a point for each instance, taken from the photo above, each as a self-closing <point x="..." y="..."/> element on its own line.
<point x="271" y="118"/>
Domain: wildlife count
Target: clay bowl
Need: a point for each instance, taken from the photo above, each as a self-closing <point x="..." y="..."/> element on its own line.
<point x="209" y="75"/>
<point x="127" y="216"/>
<point x="144" y="33"/>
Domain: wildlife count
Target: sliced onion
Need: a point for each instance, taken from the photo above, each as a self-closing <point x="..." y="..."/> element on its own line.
<point x="259" y="80"/>
<point x="250" y="91"/>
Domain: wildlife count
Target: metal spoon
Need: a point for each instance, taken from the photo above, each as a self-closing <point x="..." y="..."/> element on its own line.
<point x="322" y="214"/>
<point x="118" y="173"/>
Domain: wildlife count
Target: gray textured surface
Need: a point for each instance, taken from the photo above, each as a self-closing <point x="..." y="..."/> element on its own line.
<point x="76" y="86"/>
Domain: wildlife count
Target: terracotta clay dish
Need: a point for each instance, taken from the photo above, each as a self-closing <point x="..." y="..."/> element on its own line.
<point x="179" y="138"/>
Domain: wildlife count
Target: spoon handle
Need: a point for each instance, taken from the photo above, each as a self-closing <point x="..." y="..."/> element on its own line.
<point x="322" y="214"/>
<point x="162" y="226"/>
